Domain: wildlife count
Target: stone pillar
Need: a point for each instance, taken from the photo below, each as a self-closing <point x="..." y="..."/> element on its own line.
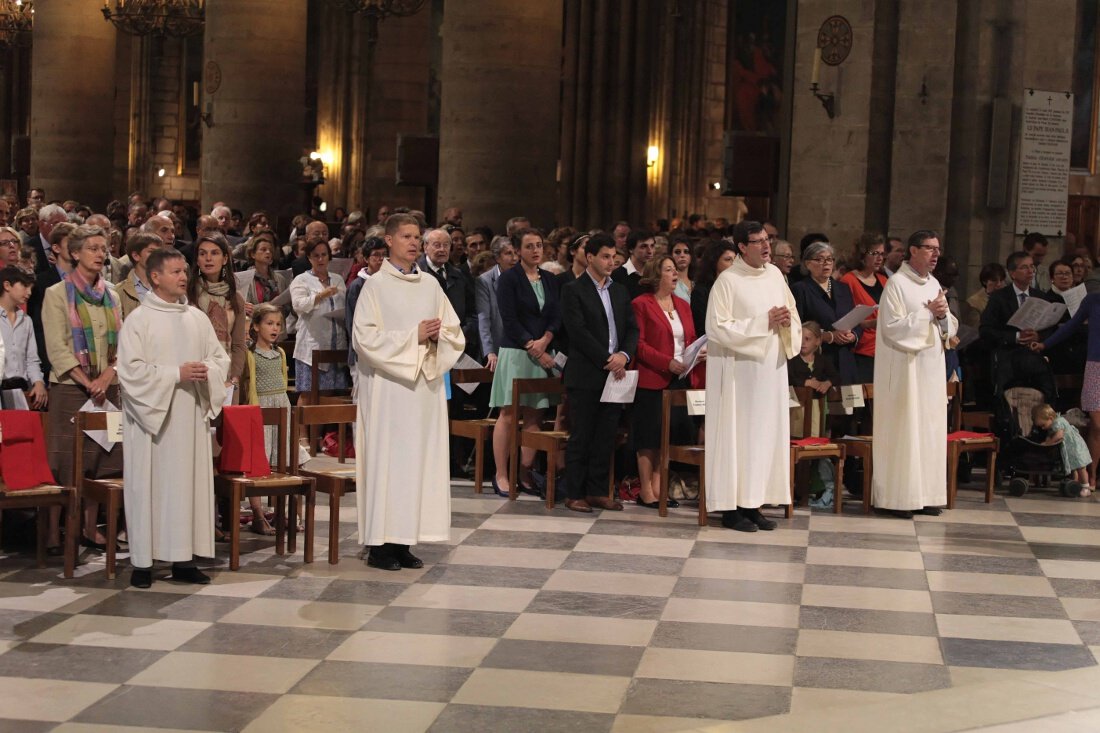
<point x="254" y="89"/>
<point x="72" y="98"/>
<point x="499" y="127"/>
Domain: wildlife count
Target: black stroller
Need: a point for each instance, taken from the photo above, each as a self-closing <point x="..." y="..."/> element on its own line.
<point x="1025" y="462"/>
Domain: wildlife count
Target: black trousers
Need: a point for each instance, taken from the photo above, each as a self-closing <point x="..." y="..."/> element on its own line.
<point x="592" y="428"/>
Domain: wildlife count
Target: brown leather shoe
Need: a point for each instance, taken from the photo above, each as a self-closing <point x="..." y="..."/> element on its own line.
<point x="578" y="505"/>
<point x="603" y="502"/>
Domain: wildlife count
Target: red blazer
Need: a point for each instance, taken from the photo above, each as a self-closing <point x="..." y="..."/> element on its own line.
<point x="655" y="345"/>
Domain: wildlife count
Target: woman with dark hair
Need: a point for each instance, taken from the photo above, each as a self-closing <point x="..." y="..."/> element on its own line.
<point x="822" y="299"/>
<point x="530" y="313"/>
<point x="314" y="294"/>
<point x="213" y="290"/>
<point x="665" y="329"/>
<point x="261" y="283"/>
<point x="866" y="281"/>
<point x="680" y="250"/>
<point x="717" y="256"/>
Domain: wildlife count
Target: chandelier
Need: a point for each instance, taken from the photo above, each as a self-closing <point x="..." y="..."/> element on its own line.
<point x="175" y="18"/>
<point x="376" y="10"/>
<point x="16" y="19"/>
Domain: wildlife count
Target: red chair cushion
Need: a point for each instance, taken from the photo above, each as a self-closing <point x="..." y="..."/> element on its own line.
<point x="23" y="463"/>
<point x="242" y="439"/>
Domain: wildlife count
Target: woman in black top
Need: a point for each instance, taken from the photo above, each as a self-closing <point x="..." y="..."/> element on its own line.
<point x="719" y="255"/>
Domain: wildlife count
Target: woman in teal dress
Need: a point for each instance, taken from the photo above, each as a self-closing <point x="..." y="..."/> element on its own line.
<point x="531" y="316"/>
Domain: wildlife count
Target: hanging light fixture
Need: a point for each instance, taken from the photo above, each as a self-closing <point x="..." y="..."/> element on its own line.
<point x="377" y="10"/>
<point x="16" y="19"/>
<point x="174" y="18"/>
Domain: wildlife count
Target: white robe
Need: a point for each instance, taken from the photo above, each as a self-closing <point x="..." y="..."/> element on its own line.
<point x="910" y="445"/>
<point x="748" y="418"/>
<point x="401" y="438"/>
<point x="168" y="479"/>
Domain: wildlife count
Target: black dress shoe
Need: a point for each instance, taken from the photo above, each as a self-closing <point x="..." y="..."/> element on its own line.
<point x="762" y="522"/>
<point x="738" y="521"/>
<point x="930" y="511"/>
<point x="93" y="545"/>
<point x="499" y="491"/>
<point x="899" y="513"/>
<point x="380" y="557"/>
<point x="672" y="503"/>
<point x="190" y="575"/>
<point x="578" y="505"/>
<point x="55" y="551"/>
<point x="406" y="559"/>
<point x="141" y="577"/>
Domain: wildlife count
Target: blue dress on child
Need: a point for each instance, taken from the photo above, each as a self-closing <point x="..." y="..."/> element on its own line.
<point x="1075" y="454"/>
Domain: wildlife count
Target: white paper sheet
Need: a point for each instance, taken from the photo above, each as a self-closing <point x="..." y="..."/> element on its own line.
<point x="1036" y="314"/>
<point x="620" y="390"/>
<point x="691" y="353"/>
<point x="854" y="317"/>
<point x="852" y="396"/>
<point x="1073" y="298"/>
<point x="967" y="335"/>
<point x="559" y="360"/>
<point x="228" y="401"/>
<point x="467" y="362"/>
<point x="13" y="399"/>
<point x="697" y="402"/>
<point x="282" y="299"/>
<point x="101" y="437"/>
<point x="340" y="266"/>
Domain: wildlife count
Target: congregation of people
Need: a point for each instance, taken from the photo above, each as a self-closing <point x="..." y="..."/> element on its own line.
<point x="188" y="312"/>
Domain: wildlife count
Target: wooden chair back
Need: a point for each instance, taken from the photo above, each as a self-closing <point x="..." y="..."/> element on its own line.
<point x="84" y="421"/>
<point x="954" y="406"/>
<point x="307" y="416"/>
<point x="471" y="376"/>
<point x="335" y="357"/>
<point x="808" y="398"/>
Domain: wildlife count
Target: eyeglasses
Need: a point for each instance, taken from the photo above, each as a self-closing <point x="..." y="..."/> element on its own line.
<point x="763" y="241"/>
<point x="877" y="253"/>
<point x="823" y="260"/>
<point x="928" y="248"/>
<point x="782" y="257"/>
<point x="9" y="242"/>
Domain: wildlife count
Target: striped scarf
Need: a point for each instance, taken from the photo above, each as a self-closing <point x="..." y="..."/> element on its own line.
<point x="80" y="294"/>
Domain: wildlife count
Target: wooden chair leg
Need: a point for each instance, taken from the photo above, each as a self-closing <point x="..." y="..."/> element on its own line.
<point x="867" y="486"/>
<point x="42" y="515"/>
<point x="702" y="497"/>
<point x="235" y="527"/>
<point x="788" y="511"/>
<point x="991" y="479"/>
<point x="311" y="510"/>
<point x="551" y="475"/>
<point x="280" y="524"/>
<point x="334" y="523"/>
<point x="662" y="500"/>
<point x="72" y="529"/>
<point x="952" y="474"/>
<point x="479" y="460"/>
<point x="112" y="531"/>
<point x="838" y="486"/>
<point x="514" y="453"/>
<point x="292" y="524"/>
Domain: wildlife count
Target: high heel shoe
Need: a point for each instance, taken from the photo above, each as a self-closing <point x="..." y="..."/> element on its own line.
<point x="656" y="504"/>
<point x="499" y="491"/>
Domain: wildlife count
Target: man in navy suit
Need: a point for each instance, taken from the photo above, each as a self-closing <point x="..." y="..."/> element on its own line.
<point x="49" y="216"/>
<point x="490" y="326"/>
<point x="458" y="286"/>
<point x="603" y="336"/>
<point x="1015" y="365"/>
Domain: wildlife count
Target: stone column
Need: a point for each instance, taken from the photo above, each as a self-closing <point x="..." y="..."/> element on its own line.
<point x="501" y="81"/>
<point x="254" y="90"/>
<point x="72" y="98"/>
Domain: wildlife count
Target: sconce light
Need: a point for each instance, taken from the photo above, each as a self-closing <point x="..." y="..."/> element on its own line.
<point x="651" y="155"/>
<point x="160" y="173"/>
<point x="828" y="101"/>
<point x="717" y="185"/>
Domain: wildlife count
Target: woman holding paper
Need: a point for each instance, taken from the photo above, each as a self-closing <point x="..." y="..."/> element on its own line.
<point x="213" y="290"/>
<point x="665" y="331"/>
<point x="866" y="281"/>
<point x="822" y="299"/>
<point x="530" y="314"/>
<point x="317" y="296"/>
<point x="261" y="283"/>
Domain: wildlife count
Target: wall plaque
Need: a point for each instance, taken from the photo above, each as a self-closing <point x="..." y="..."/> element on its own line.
<point x="1042" y="179"/>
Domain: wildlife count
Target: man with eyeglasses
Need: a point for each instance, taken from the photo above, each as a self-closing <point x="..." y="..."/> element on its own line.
<point x="752" y="330"/>
<point x="1015" y="364"/>
<point x="910" y="446"/>
<point x="783" y="256"/>
<point x="9" y="247"/>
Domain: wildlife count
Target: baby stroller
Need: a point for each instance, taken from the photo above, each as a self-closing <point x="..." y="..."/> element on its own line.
<point x="1024" y="460"/>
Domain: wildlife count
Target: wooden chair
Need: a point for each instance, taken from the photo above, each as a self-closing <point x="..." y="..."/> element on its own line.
<point x="693" y="455"/>
<point x="234" y="488"/>
<point x="861" y="447"/>
<point x="42" y="498"/>
<point x="832" y="450"/>
<point x="333" y="357"/>
<point x="551" y="442"/>
<point x="479" y="429"/>
<point x="958" y="446"/>
<point x="332" y="476"/>
<point x="107" y="491"/>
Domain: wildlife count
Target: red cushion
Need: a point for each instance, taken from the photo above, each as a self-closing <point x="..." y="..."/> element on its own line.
<point x="242" y="439"/>
<point x="802" y="442"/>
<point x="23" y="463"/>
<point x="966" y="435"/>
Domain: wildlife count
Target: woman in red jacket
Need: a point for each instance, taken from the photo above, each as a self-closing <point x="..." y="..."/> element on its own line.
<point x="665" y="330"/>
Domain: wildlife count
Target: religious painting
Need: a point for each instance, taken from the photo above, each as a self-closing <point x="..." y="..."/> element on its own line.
<point x="755" y="85"/>
<point x="1086" y="85"/>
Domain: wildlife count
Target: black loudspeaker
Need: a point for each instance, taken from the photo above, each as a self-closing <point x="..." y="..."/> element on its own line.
<point x="750" y="164"/>
<point x="1000" y="132"/>
<point x="417" y="160"/>
<point x="20" y="156"/>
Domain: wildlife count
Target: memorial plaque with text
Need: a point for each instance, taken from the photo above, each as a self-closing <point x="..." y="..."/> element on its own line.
<point x="1042" y="192"/>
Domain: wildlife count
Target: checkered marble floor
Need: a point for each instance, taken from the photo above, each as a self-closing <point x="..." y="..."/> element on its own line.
<point x="541" y="620"/>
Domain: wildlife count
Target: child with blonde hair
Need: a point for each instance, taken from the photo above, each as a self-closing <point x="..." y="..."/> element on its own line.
<point x="1075" y="454"/>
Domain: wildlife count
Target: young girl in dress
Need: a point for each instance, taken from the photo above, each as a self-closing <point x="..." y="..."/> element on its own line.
<point x="265" y="384"/>
<point x="811" y="368"/>
<point x="1075" y="454"/>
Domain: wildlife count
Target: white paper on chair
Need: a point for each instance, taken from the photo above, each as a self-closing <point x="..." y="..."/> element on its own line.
<point x="1036" y="314"/>
<point x="1073" y="298"/>
<point x="792" y="399"/>
<point x="691" y="353"/>
<point x="852" y="396"/>
<point x="467" y="362"/>
<point x="854" y="317"/>
<point x="114" y="426"/>
<point x="696" y="402"/>
<point x="101" y="437"/>
<point x="228" y="401"/>
<point x="620" y="390"/>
